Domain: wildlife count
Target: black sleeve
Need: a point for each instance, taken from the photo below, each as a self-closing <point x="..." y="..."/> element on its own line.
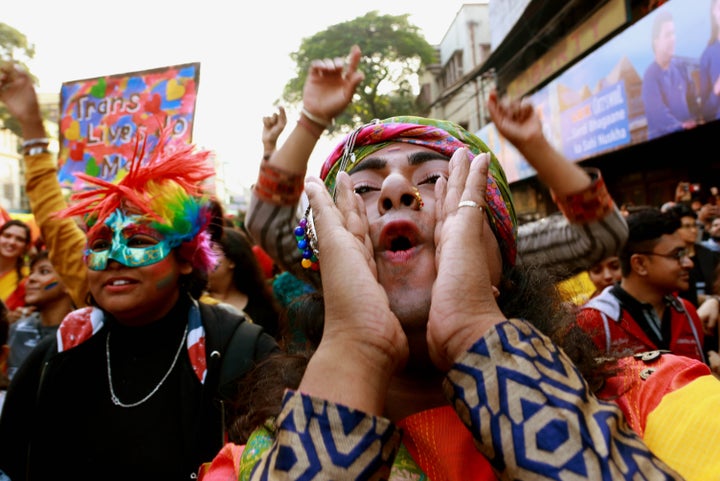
<point x="17" y="419"/>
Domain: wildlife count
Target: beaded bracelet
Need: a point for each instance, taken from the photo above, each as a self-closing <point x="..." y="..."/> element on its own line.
<point x="307" y="241"/>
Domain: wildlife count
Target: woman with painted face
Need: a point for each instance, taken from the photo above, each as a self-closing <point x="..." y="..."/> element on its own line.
<point x="50" y="302"/>
<point x="132" y="383"/>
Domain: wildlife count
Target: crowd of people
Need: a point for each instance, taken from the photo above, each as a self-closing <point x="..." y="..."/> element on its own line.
<point x="402" y="326"/>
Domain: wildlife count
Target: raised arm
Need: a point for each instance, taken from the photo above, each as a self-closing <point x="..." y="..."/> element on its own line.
<point x="273" y="126"/>
<point x="272" y="215"/>
<point x="64" y="239"/>
<point x="519" y="123"/>
<point x="592" y="227"/>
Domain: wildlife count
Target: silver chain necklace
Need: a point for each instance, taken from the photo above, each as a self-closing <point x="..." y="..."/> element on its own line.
<point x="116" y="401"/>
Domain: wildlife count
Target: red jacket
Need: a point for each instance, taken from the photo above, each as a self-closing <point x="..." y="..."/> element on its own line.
<point x="614" y="330"/>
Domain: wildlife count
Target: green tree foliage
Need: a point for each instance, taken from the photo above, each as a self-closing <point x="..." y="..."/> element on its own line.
<point x="14" y="46"/>
<point x="394" y="53"/>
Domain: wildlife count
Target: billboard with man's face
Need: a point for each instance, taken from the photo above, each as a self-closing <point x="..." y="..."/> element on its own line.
<point x="658" y="76"/>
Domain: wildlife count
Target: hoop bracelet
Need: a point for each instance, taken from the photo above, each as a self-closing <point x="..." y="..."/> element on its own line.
<point x="320" y="121"/>
<point x="35" y="150"/>
<point x="38" y="141"/>
<point x="314" y="129"/>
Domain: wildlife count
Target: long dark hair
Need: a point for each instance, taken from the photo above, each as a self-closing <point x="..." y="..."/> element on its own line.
<point x="249" y="278"/>
<point x="20" y="261"/>
<point x="527" y="293"/>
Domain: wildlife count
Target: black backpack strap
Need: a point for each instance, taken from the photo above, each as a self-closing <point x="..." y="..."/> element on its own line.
<point x="238" y="356"/>
<point x="231" y="346"/>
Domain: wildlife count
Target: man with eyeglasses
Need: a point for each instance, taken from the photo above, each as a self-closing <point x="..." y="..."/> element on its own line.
<point x="701" y="291"/>
<point x="705" y="261"/>
<point x="643" y="311"/>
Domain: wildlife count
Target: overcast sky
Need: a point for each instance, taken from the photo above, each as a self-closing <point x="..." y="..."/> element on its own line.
<point x="243" y="50"/>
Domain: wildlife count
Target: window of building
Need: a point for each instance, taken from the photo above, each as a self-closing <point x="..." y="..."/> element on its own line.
<point x="453" y="70"/>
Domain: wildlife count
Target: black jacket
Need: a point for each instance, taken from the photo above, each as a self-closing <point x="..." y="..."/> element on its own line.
<point x="705" y="265"/>
<point x="58" y="421"/>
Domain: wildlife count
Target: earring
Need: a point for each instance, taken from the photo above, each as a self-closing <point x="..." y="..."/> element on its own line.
<point x="307" y="241"/>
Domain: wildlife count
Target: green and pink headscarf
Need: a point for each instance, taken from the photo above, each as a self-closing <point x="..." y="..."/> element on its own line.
<point x="444" y="137"/>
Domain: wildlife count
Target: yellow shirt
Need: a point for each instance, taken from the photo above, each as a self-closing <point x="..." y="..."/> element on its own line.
<point x="65" y="240"/>
<point x="9" y="282"/>
<point x="577" y="289"/>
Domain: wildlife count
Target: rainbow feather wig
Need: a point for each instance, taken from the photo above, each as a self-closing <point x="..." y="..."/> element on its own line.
<point x="166" y="188"/>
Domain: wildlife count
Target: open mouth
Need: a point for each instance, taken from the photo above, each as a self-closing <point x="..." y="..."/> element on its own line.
<point x="400" y="243"/>
<point x="399" y="237"/>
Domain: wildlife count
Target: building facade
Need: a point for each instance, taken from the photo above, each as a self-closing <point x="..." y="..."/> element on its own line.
<point x="11" y="175"/>
<point x="584" y="65"/>
<point x="463" y="49"/>
<point x="12" y="169"/>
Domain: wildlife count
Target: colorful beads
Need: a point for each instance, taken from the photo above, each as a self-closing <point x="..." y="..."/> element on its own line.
<point x="304" y="236"/>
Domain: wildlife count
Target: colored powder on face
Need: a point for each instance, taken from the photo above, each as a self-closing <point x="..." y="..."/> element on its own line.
<point x="50" y="285"/>
<point x="164" y="278"/>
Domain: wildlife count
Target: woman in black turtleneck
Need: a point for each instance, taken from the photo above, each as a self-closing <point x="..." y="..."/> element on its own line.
<point x="130" y="388"/>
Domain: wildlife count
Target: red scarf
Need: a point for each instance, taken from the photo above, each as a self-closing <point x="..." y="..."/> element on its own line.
<point x="443" y="447"/>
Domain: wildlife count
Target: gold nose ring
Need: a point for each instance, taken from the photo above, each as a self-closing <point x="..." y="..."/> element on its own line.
<point x="418" y="198"/>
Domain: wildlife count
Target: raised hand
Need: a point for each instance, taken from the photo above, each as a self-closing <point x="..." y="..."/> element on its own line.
<point x="468" y="262"/>
<point x="273" y="126"/>
<point x="17" y="92"/>
<point x="516" y="120"/>
<point x="331" y="84"/>
<point x="520" y="123"/>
